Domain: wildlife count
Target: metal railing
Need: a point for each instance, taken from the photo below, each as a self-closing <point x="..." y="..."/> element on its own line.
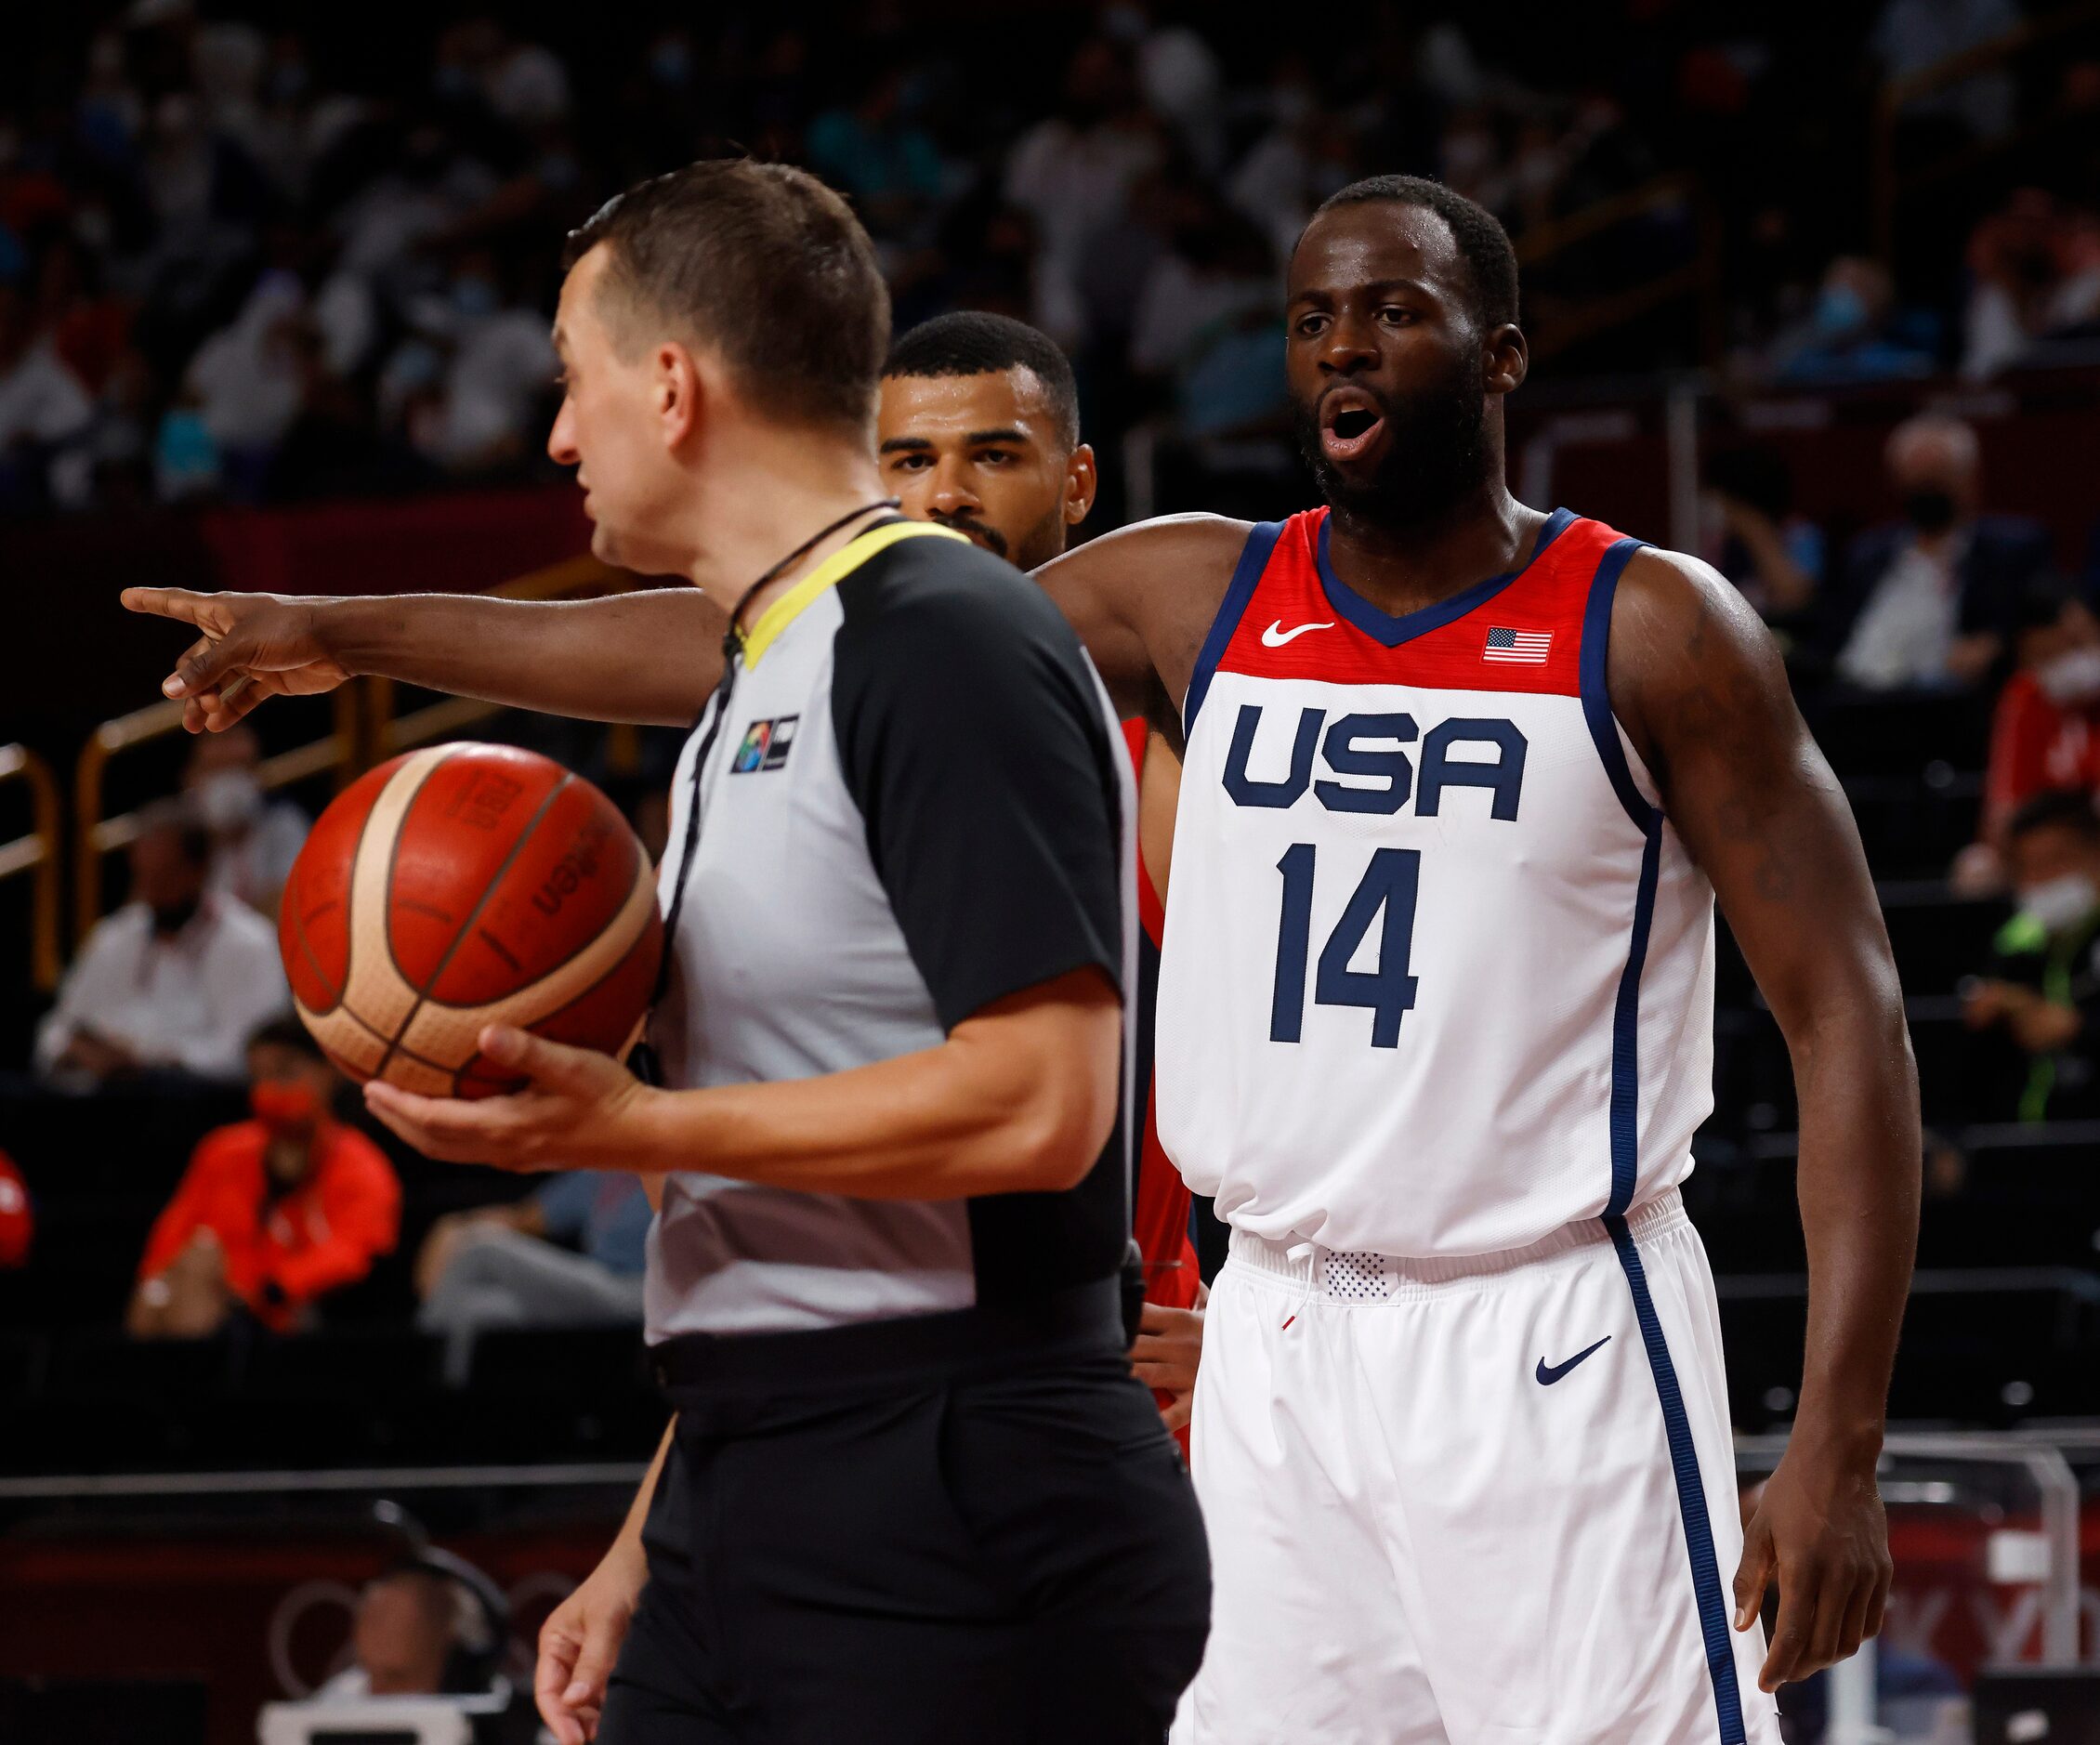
<point x="95" y="837"/>
<point x="1890" y="184"/>
<point x="35" y="855"/>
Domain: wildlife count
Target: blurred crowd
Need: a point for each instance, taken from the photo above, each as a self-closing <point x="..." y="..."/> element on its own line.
<point x="261" y="262"/>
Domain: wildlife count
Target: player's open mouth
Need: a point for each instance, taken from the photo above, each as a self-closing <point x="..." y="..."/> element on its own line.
<point x="1349" y="422"/>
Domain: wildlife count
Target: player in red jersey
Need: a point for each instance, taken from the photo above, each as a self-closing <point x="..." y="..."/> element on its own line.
<point x="978" y="429"/>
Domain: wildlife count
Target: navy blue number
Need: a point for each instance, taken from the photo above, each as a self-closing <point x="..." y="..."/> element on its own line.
<point x="1390" y="885"/>
<point x="1287" y="1005"/>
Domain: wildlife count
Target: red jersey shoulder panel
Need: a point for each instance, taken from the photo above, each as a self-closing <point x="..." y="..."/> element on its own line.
<point x="1520" y="632"/>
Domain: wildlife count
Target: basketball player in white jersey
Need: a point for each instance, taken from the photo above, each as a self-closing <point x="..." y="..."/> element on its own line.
<point x="1464" y="780"/>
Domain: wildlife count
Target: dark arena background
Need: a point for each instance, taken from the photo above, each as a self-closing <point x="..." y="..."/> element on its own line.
<point x="275" y="286"/>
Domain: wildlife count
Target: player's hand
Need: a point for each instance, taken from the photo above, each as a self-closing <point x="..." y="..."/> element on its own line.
<point x="582" y="1111"/>
<point x="580" y="1641"/>
<point x="253" y="646"/>
<point x="1165" y="1355"/>
<point x="1819" y="1527"/>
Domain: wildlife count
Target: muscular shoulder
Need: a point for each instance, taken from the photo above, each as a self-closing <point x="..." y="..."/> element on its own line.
<point x="1689" y="657"/>
<point x="1199" y="539"/>
<point x="1142" y="598"/>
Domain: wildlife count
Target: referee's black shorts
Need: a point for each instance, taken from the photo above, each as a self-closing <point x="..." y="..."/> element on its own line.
<point x="963" y="1530"/>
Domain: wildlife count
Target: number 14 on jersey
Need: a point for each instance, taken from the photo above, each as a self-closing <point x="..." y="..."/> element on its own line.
<point x="1387" y="888"/>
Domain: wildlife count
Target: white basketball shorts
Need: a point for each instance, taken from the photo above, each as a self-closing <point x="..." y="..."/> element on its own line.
<point x="1488" y="1500"/>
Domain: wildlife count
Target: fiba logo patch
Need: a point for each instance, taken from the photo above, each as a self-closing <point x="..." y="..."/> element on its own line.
<point x="766" y="745"/>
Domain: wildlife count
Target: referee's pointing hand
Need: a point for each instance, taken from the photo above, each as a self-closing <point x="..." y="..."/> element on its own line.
<point x="580" y="1111"/>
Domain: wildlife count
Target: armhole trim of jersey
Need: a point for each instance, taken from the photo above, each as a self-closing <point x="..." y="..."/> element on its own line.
<point x="1246" y="576"/>
<point x="1594" y="678"/>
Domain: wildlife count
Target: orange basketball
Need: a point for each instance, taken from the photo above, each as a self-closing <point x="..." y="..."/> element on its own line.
<point x="463" y="885"/>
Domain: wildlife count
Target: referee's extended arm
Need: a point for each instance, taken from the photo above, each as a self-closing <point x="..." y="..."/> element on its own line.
<point x="1020" y="1097"/>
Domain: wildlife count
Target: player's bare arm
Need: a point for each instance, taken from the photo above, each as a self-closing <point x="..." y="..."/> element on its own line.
<point x="1697" y="682"/>
<point x="1142" y="600"/>
<point x="1020" y="1097"/>
<point x="582" y="1637"/>
<point x="650" y="657"/>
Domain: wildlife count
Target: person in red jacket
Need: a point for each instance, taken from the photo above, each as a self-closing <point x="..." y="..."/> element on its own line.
<point x="274" y="1211"/>
<point x="2045" y="730"/>
<point x="977" y="428"/>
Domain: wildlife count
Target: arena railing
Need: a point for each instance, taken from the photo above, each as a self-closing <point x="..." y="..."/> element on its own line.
<point x="1890" y="183"/>
<point x="36" y="857"/>
<point x="96" y="838"/>
<point x="365" y="732"/>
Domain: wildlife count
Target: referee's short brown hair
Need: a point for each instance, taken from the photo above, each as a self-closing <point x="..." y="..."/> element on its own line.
<point x="764" y="265"/>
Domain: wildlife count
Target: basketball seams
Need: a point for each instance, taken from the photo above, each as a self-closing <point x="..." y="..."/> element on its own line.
<point x="381" y="1022"/>
<point x="599" y="960"/>
<point x="643" y="871"/>
<point x="466" y="927"/>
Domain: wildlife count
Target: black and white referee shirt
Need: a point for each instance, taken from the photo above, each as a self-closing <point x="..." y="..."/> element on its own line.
<point x="918" y="804"/>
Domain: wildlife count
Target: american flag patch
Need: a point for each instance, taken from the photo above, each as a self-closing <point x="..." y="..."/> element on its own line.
<point x="1517" y="647"/>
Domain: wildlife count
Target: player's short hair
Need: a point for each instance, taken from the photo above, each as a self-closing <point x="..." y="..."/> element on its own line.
<point x="2069" y="808"/>
<point x="975" y="342"/>
<point x="1484" y="245"/>
<point x="765" y="265"/>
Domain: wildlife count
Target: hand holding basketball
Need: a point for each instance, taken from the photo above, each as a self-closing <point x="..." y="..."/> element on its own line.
<point x="253" y="646"/>
<point x="581" y="1109"/>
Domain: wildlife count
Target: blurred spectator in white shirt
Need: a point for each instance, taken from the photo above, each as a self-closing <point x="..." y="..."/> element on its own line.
<point x="254" y="839"/>
<point x="1930" y="600"/>
<point x="175" y="981"/>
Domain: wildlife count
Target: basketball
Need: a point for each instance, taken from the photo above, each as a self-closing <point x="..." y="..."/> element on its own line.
<point x="463" y="885"/>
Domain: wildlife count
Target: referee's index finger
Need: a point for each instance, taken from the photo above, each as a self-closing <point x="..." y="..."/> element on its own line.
<point x="164" y="603"/>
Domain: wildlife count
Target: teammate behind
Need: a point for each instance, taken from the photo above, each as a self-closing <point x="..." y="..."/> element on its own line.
<point x="978" y="429"/>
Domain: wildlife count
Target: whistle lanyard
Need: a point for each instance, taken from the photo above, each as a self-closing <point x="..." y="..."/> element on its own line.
<point x="644" y="1059"/>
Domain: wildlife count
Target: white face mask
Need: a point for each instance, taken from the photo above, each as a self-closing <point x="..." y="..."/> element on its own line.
<point x="229" y="799"/>
<point x="2060" y="902"/>
<point x="2071" y="676"/>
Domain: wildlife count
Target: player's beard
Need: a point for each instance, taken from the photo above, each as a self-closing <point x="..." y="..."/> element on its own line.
<point x="1436" y="450"/>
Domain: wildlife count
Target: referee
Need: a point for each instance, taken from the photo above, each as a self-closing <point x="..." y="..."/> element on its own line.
<point x="911" y="1493"/>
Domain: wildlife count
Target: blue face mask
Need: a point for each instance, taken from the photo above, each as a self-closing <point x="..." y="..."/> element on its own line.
<point x="1839" y="310"/>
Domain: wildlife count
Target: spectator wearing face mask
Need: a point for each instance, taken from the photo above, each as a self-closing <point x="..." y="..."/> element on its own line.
<point x="1929" y="601"/>
<point x="2045" y="732"/>
<point x="1853" y="330"/>
<point x="2043" y="988"/>
<point x="254" y="839"/>
<point x="174" y="982"/>
<point x="274" y="1211"/>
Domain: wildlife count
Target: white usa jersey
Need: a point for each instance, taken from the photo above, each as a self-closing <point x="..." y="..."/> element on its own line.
<point x="1437" y="974"/>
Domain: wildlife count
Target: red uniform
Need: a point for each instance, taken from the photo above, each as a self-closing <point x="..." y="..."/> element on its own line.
<point x="1160" y="1220"/>
<point x="2037" y="744"/>
<point x="324" y="1233"/>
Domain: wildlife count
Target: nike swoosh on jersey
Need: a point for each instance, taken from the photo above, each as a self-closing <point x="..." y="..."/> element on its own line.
<point x="1547" y="1377"/>
<point x="1275" y="636"/>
